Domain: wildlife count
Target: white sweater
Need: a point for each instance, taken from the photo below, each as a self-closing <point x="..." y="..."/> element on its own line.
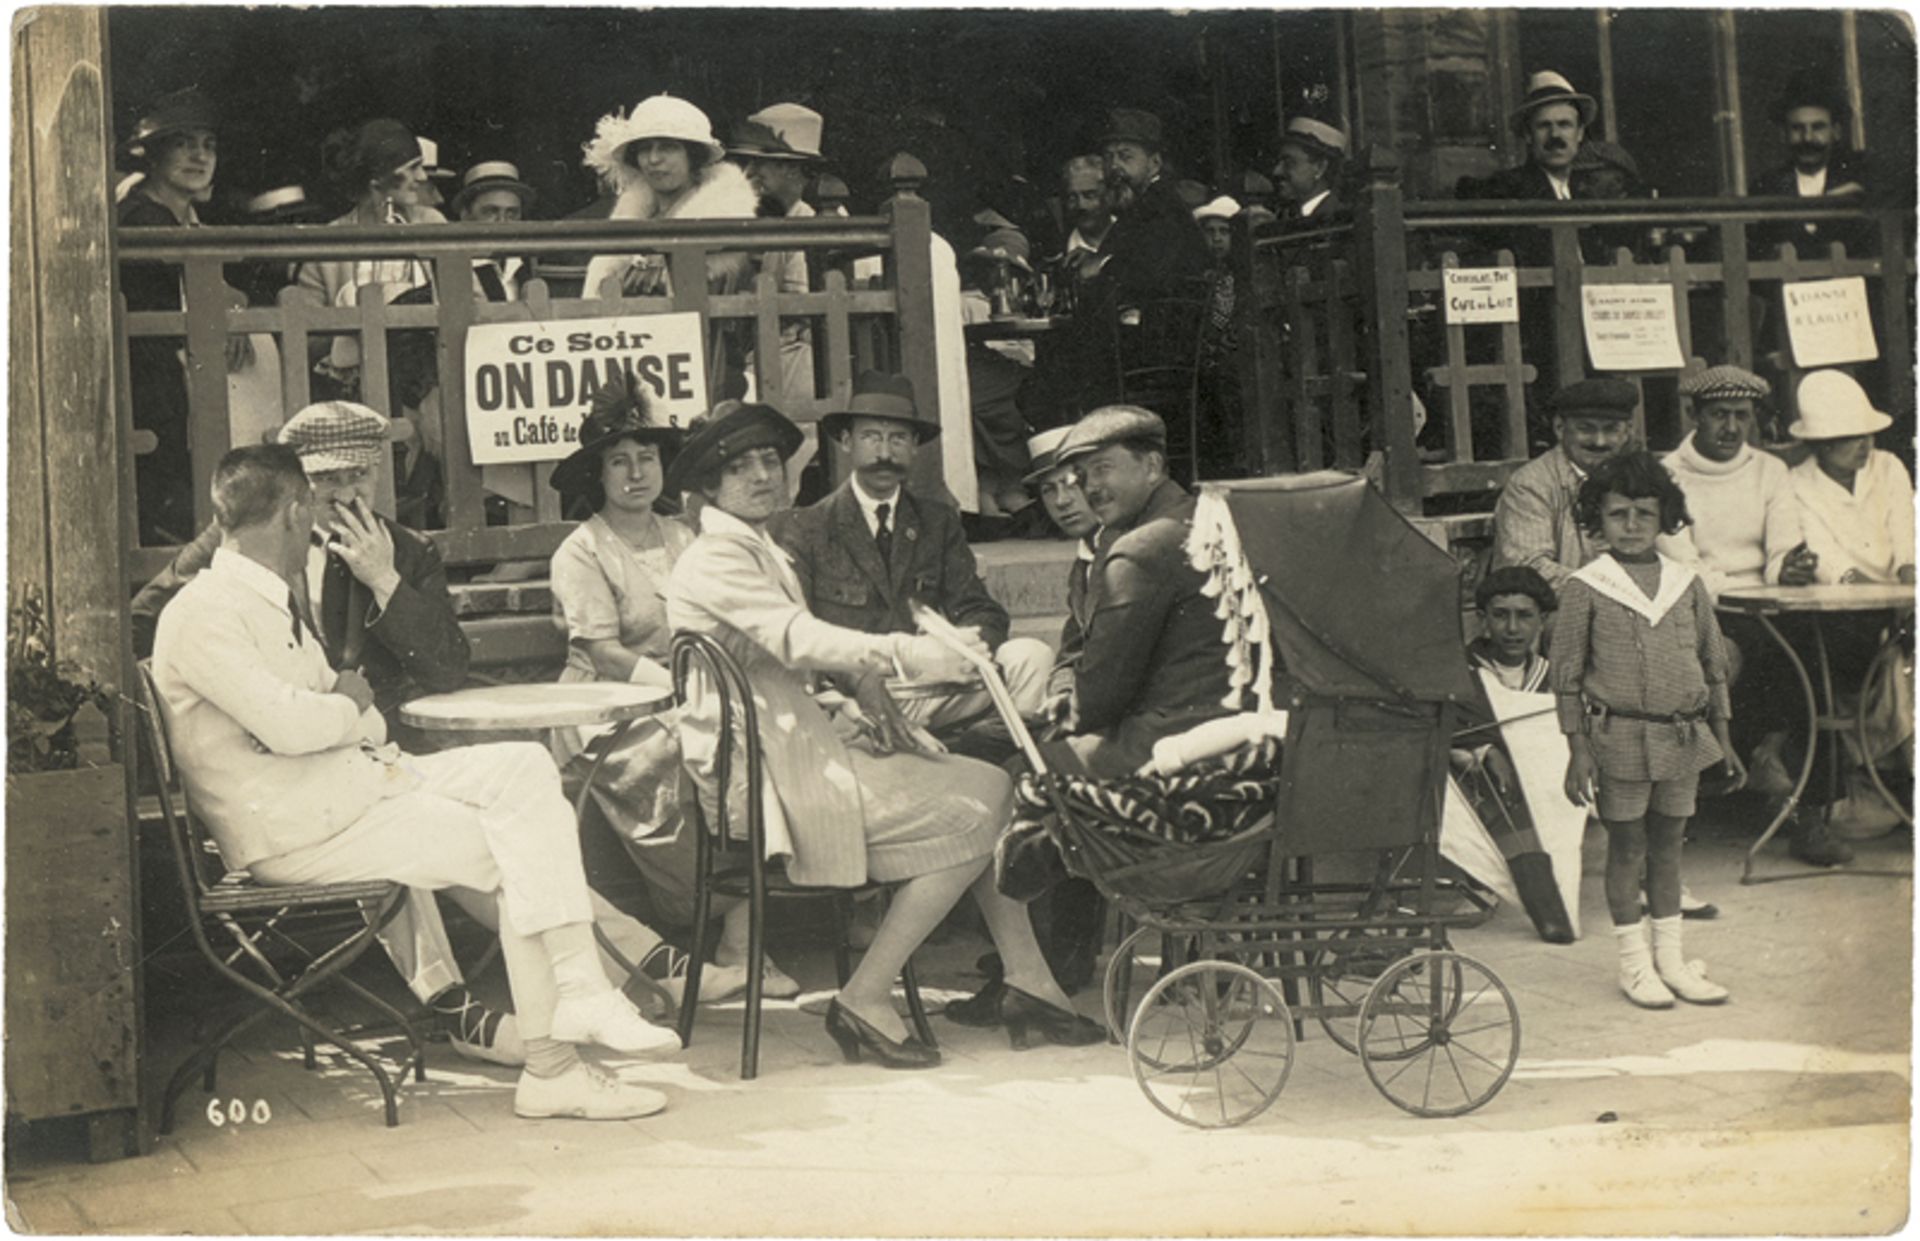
<point x="1869" y="528"/>
<point x="1746" y="517"/>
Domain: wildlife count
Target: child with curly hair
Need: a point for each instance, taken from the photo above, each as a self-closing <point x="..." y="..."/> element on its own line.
<point x="1640" y="671"/>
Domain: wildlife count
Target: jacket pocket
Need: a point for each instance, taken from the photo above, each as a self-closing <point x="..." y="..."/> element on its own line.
<point x="843" y="591"/>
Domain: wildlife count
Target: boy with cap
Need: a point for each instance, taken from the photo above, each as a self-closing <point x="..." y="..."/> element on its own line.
<point x="1534" y="522"/>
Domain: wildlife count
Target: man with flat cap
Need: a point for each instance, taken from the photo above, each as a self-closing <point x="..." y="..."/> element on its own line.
<point x="1534" y="523"/>
<point x="1312" y="155"/>
<point x="779" y="147"/>
<point x="871" y="549"/>
<point x="1152" y="662"/>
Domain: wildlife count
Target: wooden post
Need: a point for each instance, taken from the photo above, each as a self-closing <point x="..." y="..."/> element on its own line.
<point x="1726" y="94"/>
<point x="1856" y="94"/>
<point x="913" y="291"/>
<point x="1603" y="36"/>
<point x="1896" y="241"/>
<point x="28" y="568"/>
<point x="1380" y="235"/>
<point x="1262" y="433"/>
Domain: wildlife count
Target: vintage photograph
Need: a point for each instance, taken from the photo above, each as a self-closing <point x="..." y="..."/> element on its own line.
<point x="915" y="621"/>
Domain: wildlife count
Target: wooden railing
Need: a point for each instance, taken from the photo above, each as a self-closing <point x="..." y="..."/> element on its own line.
<point x="1344" y="323"/>
<point x="890" y="326"/>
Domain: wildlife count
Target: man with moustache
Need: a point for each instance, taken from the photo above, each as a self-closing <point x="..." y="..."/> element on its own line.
<point x="779" y="146"/>
<point x="1533" y="522"/>
<point x="1152" y="662"/>
<point x="871" y="549"/>
<point x="1155" y="243"/>
<point x="1813" y="121"/>
<point x="1089" y="205"/>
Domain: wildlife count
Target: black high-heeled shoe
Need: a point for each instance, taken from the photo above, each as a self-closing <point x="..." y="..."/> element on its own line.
<point x="1022" y="1012"/>
<point x="979" y="1010"/>
<point x="856" y="1036"/>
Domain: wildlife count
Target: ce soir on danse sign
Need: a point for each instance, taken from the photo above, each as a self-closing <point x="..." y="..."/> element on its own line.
<point x="529" y="385"/>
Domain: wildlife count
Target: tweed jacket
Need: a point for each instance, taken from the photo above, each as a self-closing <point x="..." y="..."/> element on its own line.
<point x="737" y="587"/>
<point x="1153" y="662"/>
<point x="412" y="646"/>
<point x="1533" y="523"/>
<point x="846" y="582"/>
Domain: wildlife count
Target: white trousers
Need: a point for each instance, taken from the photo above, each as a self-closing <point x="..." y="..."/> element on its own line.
<point x="1024" y="663"/>
<point x="487" y="817"/>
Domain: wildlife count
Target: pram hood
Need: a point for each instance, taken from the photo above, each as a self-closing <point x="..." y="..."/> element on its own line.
<point x="1360" y="604"/>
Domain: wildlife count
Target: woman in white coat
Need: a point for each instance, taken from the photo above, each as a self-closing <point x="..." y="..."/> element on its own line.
<point x="851" y="795"/>
<point x="379" y="166"/>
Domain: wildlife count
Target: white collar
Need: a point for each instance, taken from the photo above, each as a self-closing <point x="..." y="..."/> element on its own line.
<point x="1562" y="183"/>
<point x="1811" y="184"/>
<point x="1077" y="240"/>
<point x="248" y="572"/>
<point x="1608" y="576"/>
<point x="870" y="505"/>
<point x="1308" y="207"/>
<point x="1083" y="550"/>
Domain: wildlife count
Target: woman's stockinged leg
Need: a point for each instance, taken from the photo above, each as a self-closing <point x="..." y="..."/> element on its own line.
<point x="1664" y="835"/>
<point x="1011" y="927"/>
<point x="1626" y="863"/>
<point x="916" y="909"/>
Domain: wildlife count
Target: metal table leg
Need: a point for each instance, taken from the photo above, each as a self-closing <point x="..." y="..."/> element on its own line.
<point x="1792" y="801"/>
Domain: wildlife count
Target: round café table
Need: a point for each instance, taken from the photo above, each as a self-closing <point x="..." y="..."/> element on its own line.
<point x="546" y="705"/>
<point x="1763" y="603"/>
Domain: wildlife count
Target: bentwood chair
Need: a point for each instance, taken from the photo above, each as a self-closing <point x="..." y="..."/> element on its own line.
<point x="737" y="867"/>
<point x="267" y="940"/>
<point x="1157" y="366"/>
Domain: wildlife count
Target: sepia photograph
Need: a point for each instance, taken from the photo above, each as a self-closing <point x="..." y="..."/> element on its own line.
<point x="960" y="621"/>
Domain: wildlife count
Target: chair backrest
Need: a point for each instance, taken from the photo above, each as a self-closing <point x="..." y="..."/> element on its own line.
<point x="704" y="676"/>
<point x="193" y="851"/>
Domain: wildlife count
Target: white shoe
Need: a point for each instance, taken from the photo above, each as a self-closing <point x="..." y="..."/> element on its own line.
<point x="1689" y="982"/>
<point x="1643" y="986"/>
<point x="611" y="1021"/>
<point x="504" y="1047"/>
<point x="718" y="983"/>
<point x="775" y="983"/>
<point x="584" y="1092"/>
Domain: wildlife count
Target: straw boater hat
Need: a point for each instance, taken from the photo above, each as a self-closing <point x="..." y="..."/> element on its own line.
<point x="1043" y="454"/>
<point x="1724" y="383"/>
<point x="1317" y="138"/>
<point x="285" y="204"/>
<point x="1595" y="398"/>
<point x="663" y="116"/>
<point x="1833" y="406"/>
<point x="877" y="394"/>
<point x="1111" y="424"/>
<point x="336" y="435"/>
<point x="783" y="131"/>
<point x="493" y="174"/>
<point x="177" y="113"/>
<point x="619" y="412"/>
<point x="732" y="428"/>
<point x="1548" y="87"/>
<point x="1221" y="208"/>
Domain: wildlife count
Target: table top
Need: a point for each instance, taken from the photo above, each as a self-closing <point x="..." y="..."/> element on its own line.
<point x="1835" y="598"/>
<point x="1013" y="329"/>
<point x="546" y="704"/>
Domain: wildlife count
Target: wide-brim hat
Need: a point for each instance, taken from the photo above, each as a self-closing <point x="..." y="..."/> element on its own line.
<point x="176" y="113"/>
<point x="1043" y="454"/>
<point x="662" y="116"/>
<point x="619" y="412"/>
<point x="732" y="428"/>
<point x="795" y="129"/>
<point x="752" y="140"/>
<point x="1317" y="138"/>
<point x="1221" y="208"/>
<point x="1595" y="398"/>
<point x="1111" y="424"/>
<point x="1834" y="406"/>
<point x="877" y="394"/>
<point x="1007" y="245"/>
<point x="284" y="204"/>
<point x="1547" y="87"/>
<point x="493" y="174"/>
<point x="336" y="435"/>
<point x="1135" y="125"/>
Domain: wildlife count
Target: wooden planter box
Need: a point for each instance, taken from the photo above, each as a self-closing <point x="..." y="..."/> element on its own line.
<point x="73" y="948"/>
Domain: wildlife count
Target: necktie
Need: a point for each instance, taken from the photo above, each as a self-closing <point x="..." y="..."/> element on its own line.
<point x="491" y="282"/>
<point x="293" y="606"/>
<point x="882" y="536"/>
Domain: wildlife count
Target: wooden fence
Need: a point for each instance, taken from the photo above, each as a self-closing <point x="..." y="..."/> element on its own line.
<point x="889" y="325"/>
<point x="1344" y="324"/>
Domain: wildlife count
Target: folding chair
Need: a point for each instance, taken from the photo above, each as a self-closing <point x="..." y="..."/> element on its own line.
<point x="725" y="866"/>
<point x="229" y="905"/>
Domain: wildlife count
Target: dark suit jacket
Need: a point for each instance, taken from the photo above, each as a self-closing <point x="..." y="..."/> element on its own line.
<point x="1155" y="245"/>
<point x="1153" y="662"/>
<point x="1328" y="207"/>
<point x="1812" y="237"/>
<point x="413" y="646"/>
<point x="846" y="582"/>
<point x="1073" y="632"/>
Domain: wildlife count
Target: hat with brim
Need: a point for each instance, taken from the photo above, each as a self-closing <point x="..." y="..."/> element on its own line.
<point x="1221" y="208"/>
<point x="732" y="428"/>
<point x="1043" y="454"/>
<point x="177" y="113"/>
<point x="285" y="204"/>
<point x="752" y="140"/>
<point x="795" y="131"/>
<point x="336" y="435"/>
<point x="1111" y="424"/>
<point x="877" y="394"/>
<point x="493" y="174"/>
<point x="1317" y="138"/>
<point x="430" y="161"/>
<point x="1595" y="398"/>
<point x="662" y="116"/>
<point x="1548" y="87"/>
<point x="1809" y="90"/>
<point x="1135" y="125"/>
<point x="619" y="413"/>
<point x="1004" y="245"/>
<point x="1833" y="406"/>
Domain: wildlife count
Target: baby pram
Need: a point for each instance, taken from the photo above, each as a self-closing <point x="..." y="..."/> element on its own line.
<point x="1343" y="615"/>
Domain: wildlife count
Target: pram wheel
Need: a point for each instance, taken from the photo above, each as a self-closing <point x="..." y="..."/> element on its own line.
<point x="1439" y="1034"/>
<point x="1344" y="971"/>
<point x="1212" y="1044"/>
<point x="1142" y="959"/>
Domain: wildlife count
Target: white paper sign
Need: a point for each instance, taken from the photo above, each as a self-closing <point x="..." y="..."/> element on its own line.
<point x="530" y="384"/>
<point x="1482" y="295"/>
<point x="1828" y="323"/>
<point x="1631" y="327"/>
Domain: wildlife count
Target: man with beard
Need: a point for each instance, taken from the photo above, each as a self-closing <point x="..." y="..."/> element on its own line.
<point x="1090" y="209"/>
<point x="778" y="147"/>
<point x="872" y="549"/>
<point x="1155" y="243"/>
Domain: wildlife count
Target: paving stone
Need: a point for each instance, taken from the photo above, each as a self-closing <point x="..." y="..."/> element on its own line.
<point x="43" y="1211"/>
<point x="492" y="1199"/>
<point x="228" y="1187"/>
<point x="421" y="1120"/>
